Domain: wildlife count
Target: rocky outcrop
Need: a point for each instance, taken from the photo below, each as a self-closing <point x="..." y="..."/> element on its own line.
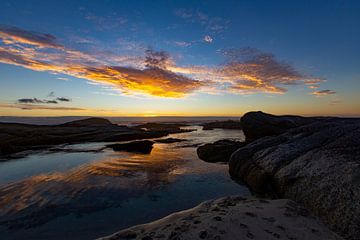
<point x="316" y="164"/>
<point x="219" y="151"/>
<point x="170" y="140"/>
<point x="258" y="124"/>
<point x="144" y="146"/>
<point x="16" y="138"/>
<point x="233" y="218"/>
<point x="229" y="124"/>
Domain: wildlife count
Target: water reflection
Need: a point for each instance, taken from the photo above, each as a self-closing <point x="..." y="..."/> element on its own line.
<point x="171" y="172"/>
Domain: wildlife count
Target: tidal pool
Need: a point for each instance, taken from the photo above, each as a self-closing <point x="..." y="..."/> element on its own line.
<point x="85" y="195"/>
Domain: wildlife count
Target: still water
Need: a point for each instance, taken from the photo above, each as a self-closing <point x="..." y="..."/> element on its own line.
<point x="84" y="195"/>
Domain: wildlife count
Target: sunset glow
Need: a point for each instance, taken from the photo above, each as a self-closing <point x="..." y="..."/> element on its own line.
<point x="110" y="62"/>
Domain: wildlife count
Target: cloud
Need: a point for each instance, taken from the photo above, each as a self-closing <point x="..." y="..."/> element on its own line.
<point x="10" y="34"/>
<point x="35" y="101"/>
<point x="154" y="81"/>
<point x="208" y="39"/>
<point x="158" y="59"/>
<point x="323" y="92"/>
<point x="155" y="73"/>
<point x="63" y="99"/>
<point x="182" y="43"/>
<point x="210" y="23"/>
<point x="40" y="107"/>
<point x="249" y="70"/>
<point x="108" y="22"/>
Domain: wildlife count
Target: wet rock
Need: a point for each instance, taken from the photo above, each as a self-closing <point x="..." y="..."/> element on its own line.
<point x="144" y="146"/>
<point x="219" y="151"/>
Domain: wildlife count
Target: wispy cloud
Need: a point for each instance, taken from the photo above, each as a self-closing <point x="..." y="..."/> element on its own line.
<point x="40" y="107"/>
<point x="211" y="24"/>
<point x="109" y="22"/>
<point x="323" y="92"/>
<point x="35" y="101"/>
<point x="155" y="73"/>
<point x="63" y="99"/>
<point x="13" y="35"/>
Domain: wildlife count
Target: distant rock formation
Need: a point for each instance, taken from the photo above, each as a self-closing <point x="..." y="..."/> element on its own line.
<point x="144" y="146"/>
<point x="88" y="122"/>
<point x="219" y="151"/>
<point x="233" y="218"/>
<point x="16" y="138"/>
<point x="229" y="124"/>
<point x="314" y="161"/>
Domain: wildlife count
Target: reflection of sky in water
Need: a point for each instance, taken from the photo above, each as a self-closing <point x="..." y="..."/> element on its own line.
<point x="92" y="194"/>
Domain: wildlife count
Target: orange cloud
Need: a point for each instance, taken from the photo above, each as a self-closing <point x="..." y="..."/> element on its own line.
<point x="323" y="92"/>
<point x="247" y="70"/>
<point x="11" y="35"/>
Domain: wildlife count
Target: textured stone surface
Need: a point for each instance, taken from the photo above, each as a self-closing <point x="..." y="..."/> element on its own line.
<point x="258" y="124"/>
<point x="234" y="218"/>
<point x="317" y="165"/>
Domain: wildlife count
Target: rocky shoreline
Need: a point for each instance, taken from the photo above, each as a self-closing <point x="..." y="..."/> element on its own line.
<point x="296" y="161"/>
<point x="316" y="164"/>
<point x="17" y="138"/>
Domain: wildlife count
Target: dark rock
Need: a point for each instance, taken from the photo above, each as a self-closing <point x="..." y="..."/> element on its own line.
<point x="229" y="124"/>
<point x="219" y="151"/>
<point x="167" y="127"/>
<point x="316" y="164"/>
<point x="88" y="122"/>
<point x="258" y="124"/>
<point x="16" y="138"/>
<point x="170" y="140"/>
<point x="144" y="146"/>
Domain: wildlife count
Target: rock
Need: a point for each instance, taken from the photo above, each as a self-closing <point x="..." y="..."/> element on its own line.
<point x="170" y="140"/>
<point x="168" y="127"/>
<point x="219" y="151"/>
<point x="88" y="122"/>
<point x="241" y="219"/>
<point x="317" y="165"/>
<point x="229" y="124"/>
<point x="144" y="146"/>
<point x="258" y="124"/>
<point x="16" y="138"/>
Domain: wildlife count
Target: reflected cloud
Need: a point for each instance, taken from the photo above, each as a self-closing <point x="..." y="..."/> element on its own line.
<point x="89" y="188"/>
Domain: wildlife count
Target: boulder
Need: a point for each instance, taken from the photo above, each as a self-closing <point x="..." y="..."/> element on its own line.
<point x="219" y="151"/>
<point x="144" y="146"/>
<point x="316" y="164"/>
<point x="232" y="218"/>
<point x="258" y="124"/>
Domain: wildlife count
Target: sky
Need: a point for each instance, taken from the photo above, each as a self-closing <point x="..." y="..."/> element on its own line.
<point x="179" y="58"/>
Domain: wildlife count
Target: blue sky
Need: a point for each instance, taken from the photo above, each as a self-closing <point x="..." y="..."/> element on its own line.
<point x="144" y="58"/>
